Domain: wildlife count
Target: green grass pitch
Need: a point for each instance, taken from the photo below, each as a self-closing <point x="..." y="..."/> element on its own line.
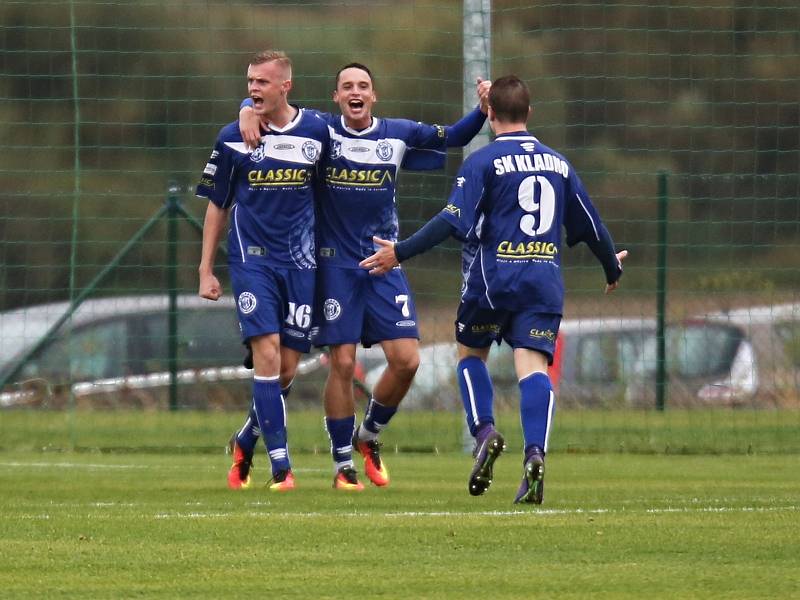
<point x="162" y="524"/>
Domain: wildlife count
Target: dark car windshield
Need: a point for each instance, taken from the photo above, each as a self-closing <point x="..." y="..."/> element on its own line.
<point x="695" y="349"/>
<point x="702" y="349"/>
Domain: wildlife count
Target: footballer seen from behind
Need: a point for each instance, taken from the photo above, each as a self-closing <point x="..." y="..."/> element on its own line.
<point x="509" y="204"/>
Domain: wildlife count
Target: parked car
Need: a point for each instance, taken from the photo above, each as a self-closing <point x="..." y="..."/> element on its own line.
<point x="117" y="348"/>
<point x="743" y="357"/>
<point x="767" y="360"/>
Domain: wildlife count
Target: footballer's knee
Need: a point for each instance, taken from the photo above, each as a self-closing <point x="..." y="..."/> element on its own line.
<point x="405" y="365"/>
<point x="266" y="354"/>
<point x="343" y="363"/>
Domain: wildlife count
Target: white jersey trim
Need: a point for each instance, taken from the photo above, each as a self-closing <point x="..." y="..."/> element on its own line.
<point x="365" y="152"/>
<point x="288" y="148"/>
<point x="594" y="226"/>
<point x="236" y="228"/>
<point x="363" y="132"/>
<point x="290" y="125"/>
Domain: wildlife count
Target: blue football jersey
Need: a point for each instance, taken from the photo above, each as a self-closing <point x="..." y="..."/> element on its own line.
<point x="509" y="204"/>
<point x="359" y="182"/>
<point x="270" y="191"/>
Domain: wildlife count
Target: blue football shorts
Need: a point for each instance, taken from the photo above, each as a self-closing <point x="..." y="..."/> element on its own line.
<point x="478" y="327"/>
<point x="273" y="300"/>
<point x="353" y="306"/>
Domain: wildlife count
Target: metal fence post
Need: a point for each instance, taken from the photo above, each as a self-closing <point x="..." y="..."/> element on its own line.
<point x="661" y="293"/>
<point x="172" y="286"/>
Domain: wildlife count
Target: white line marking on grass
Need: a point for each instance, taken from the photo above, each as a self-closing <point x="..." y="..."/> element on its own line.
<point x="149" y="467"/>
<point x="65" y="465"/>
<point x="484" y="513"/>
<point x="426" y="514"/>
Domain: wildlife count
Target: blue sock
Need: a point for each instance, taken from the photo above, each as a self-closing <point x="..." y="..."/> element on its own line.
<point x="248" y="435"/>
<point x="271" y="414"/>
<point x="537" y="405"/>
<point x="477" y="393"/>
<point x="376" y="418"/>
<point x="341" y="433"/>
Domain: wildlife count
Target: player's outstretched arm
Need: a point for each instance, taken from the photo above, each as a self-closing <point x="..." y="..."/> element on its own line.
<point x="391" y="254"/>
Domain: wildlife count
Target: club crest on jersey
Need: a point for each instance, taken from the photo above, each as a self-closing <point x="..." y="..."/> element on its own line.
<point x="331" y="309"/>
<point x="336" y="149"/>
<point x="384" y="150"/>
<point x="247" y="303"/>
<point x="259" y="153"/>
<point x="310" y="151"/>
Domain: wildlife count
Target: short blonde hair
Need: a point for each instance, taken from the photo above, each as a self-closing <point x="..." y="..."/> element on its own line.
<point x="278" y="56"/>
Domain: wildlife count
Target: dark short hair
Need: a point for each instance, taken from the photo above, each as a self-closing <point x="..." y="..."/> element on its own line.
<point x="355" y="65"/>
<point x="510" y="99"/>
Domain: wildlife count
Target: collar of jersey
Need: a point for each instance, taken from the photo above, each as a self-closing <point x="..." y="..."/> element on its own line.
<point x="374" y="124"/>
<point x="516" y="135"/>
<point x="290" y="125"/>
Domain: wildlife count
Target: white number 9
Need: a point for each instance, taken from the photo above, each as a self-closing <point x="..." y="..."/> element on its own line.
<point x="546" y="206"/>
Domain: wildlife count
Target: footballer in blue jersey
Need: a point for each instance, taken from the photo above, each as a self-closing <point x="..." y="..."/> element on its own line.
<point x="269" y="193"/>
<point x="357" y="201"/>
<point x="510" y="202"/>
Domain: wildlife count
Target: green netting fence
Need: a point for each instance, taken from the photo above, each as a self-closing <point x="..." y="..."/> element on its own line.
<point x="682" y="119"/>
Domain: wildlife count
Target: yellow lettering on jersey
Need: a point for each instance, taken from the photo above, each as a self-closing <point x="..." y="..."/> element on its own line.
<point x="284" y="177"/>
<point x="524" y="250"/>
<point x="358" y="177"/>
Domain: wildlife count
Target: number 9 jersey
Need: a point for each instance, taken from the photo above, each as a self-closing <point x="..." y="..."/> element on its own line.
<point x="508" y="205"/>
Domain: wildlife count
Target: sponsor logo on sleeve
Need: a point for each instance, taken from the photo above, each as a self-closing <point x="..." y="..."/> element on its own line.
<point x="210" y="169"/>
<point x="452" y="209"/>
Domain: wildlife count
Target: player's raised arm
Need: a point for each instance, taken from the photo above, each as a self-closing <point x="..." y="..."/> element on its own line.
<point x="463" y="131"/>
